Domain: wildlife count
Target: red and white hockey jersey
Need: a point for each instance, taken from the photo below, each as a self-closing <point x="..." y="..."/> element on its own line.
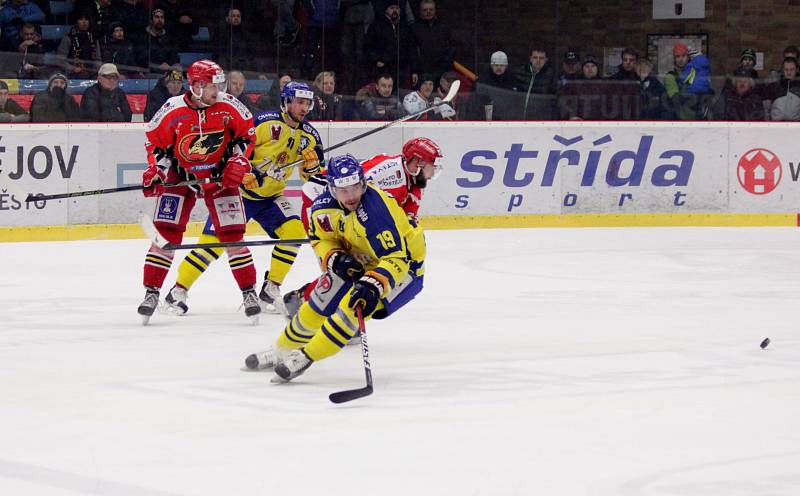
<point x="199" y="138"/>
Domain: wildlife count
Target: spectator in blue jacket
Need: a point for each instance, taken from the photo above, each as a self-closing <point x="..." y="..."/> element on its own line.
<point x="16" y="13"/>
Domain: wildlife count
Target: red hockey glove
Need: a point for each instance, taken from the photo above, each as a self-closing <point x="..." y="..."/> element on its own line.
<point x="235" y="170"/>
<point x="153" y="179"/>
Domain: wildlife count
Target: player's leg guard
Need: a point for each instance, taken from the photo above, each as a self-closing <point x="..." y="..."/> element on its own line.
<point x="283" y="256"/>
<point x="156" y="265"/>
<point x="197" y="262"/>
<point x="301" y="328"/>
<point x="334" y="333"/>
<point x="226" y="210"/>
<point x="241" y="261"/>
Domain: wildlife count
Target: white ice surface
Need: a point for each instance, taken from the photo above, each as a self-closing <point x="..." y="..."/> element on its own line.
<point x="536" y="362"/>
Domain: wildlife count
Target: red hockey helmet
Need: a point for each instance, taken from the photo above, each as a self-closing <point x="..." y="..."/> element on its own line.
<point x="426" y="151"/>
<point x="205" y="71"/>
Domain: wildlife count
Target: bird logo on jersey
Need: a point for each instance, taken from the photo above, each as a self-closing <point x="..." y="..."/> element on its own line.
<point x="197" y="148"/>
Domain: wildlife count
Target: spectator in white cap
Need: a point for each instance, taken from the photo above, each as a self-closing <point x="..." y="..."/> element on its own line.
<point x="495" y="90"/>
<point x="105" y="101"/>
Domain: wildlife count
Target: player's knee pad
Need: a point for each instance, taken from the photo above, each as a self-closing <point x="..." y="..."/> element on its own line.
<point x="327" y="294"/>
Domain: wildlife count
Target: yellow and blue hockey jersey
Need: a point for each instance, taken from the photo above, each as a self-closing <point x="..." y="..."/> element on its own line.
<point x="280" y="144"/>
<point x="378" y="233"/>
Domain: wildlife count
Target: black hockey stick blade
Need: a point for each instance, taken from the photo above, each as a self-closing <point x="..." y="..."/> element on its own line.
<point x="354" y="394"/>
<point x="350" y="394"/>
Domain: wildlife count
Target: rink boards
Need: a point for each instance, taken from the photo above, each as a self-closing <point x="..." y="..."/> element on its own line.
<point x="549" y="174"/>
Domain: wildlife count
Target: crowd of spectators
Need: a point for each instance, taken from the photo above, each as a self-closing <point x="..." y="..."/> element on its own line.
<point x="367" y="59"/>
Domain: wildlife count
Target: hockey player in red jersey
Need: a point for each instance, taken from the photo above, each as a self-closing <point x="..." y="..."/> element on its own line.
<point x="403" y="176"/>
<point x="202" y="134"/>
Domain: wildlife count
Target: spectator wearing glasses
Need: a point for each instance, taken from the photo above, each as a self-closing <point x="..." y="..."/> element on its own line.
<point x="105" y="101"/>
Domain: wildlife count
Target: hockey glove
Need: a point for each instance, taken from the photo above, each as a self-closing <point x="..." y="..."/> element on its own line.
<point x="366" y="293"/>
<point x="235" y="169"/>
<point x="345" y="266"/>
<point x="153" y="179"/>
<point x="311" y="164"/>
<point x="276" y="172"/>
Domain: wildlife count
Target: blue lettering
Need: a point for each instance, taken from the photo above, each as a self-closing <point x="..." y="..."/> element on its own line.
<point x="678" y="202"/>
<point x="514" y="155"/>
<point x="486" y="171"/>
<point x="514" y="201"/>
<point x="570" y="199"/>
<point x="462" y="201"/>
<point x="639" y="158"/>
<point x="623" y="197"/>
<point x="682" y="171"/>
<point x="572" y="157"/>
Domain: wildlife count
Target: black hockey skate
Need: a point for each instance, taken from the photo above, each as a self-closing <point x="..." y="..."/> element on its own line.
<point x="293" y="299"/>
<point x="176" y="300"/>
<point x="252" y="308"/>
<point x="149" y="304"/>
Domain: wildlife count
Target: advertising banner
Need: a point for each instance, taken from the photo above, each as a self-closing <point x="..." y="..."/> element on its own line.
<point x="491" y="169"/>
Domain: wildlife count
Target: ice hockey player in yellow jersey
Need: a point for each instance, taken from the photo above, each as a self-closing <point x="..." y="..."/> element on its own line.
<point x="282" y="137"/>
<point x="373" y="257"/>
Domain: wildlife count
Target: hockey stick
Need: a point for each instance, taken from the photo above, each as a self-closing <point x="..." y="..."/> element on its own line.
<point x="447" y="99"/>
<point x="354" y="394"/>
<point x="192" y="182"/>
<point x="151" y="232"/>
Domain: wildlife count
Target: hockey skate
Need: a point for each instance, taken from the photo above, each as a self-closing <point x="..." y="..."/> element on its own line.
<point x="293" y="299"/>
<point x="252" y="308"/>
<point x="264" y="360"/>
<point x="293" y="365"/>
<point x="176" y="301"/>
<point x="149" y="304"/>
<point x="270" y="296"/>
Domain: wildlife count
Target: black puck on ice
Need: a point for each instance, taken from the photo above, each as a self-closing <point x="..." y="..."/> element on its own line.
<point x="764" y="343"/>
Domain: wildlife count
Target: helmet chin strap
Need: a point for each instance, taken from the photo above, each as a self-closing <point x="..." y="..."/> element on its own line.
<point x="198" y="97"/>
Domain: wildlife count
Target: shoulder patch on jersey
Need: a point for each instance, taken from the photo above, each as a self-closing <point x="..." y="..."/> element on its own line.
<point x="312" y="131"/>
<point x="171" y="104"/>
<point x="268" y="115"/>
<point x="235" y="103"/>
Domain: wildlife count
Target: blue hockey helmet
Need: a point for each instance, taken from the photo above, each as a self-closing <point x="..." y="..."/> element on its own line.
<point x="296" y="89"/>
<point x="344" y="171"/>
